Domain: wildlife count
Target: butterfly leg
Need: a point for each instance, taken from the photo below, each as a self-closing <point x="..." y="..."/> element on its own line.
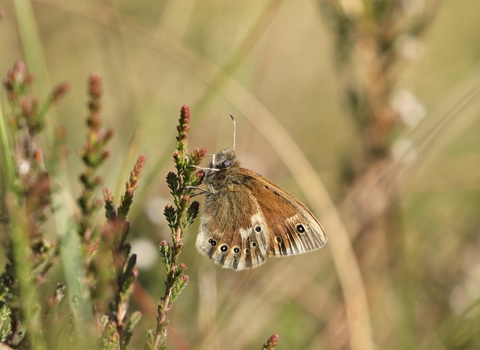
<point x="203" y="190"/>
<point x="200" y="168"/>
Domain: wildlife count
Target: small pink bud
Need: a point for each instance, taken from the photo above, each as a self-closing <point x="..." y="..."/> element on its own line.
<point x="107" y="195"/>
<point x="60" y="91"/>
<point x="95" y="85"/>
<point x="38" y="156"/>
<point x="185" y="111"/>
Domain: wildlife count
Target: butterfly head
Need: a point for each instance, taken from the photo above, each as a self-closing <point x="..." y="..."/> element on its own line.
<point x="224" y="160"/>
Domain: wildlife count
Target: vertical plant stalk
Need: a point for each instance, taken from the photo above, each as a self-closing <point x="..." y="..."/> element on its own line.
<point x="370" y="39"/>
<point x="93" y="155"/>
<point x="179" y="217"/>
<point x="120" y="327"/>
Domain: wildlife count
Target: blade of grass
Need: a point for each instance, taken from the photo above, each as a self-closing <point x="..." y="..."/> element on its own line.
<point x="6" y="149"/>
<point x="77" y="290"/>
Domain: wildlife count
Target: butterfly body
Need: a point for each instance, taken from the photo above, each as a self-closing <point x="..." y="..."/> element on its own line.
<point x="246" y="218"/>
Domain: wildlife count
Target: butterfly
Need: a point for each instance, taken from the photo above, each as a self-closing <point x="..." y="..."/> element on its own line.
<point x="247" y="218"/>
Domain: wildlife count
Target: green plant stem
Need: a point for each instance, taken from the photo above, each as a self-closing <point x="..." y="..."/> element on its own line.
<point x="161" y="334"/>
<point x="23" y="267"/>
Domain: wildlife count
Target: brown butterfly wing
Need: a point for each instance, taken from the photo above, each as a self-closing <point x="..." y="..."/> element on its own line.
<point x="293" y="229"/>
<point x="233" y="230"/>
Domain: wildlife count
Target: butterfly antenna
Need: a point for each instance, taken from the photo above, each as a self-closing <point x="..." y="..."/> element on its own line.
<point x="234" y="131"/>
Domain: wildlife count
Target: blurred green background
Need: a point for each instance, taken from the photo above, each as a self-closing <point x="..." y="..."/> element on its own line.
<point x="275" y="65"/>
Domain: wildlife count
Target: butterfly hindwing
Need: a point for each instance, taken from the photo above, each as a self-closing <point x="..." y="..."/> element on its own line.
<point x="233" y="231"/>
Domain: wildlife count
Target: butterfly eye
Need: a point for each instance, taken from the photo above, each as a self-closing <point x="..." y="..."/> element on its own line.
<point x="236" y="250"/>
<point x="224" y="248"/>
<point x="258" y="228"/>
<point x="300" y="228"/>
<point x="226" y="163"/>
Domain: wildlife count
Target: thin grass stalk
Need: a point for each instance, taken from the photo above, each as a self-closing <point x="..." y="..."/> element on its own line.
<point x="31" y="43"/>
<point x="456" y="112"/>
<point x="10" y="170"/>
<point x="225" y="72"/>
<point x="267" y="299"/>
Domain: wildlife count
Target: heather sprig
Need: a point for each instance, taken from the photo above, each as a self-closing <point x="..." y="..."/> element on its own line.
<point x="131" y="185"/>
<point x="111" y="268"/>
<point x="179" y="216"/>
<point x="93" y="154"/>
<point x="28" y="203"/>
<point x="27" y="110"/>
<point x="119" y="326"/>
